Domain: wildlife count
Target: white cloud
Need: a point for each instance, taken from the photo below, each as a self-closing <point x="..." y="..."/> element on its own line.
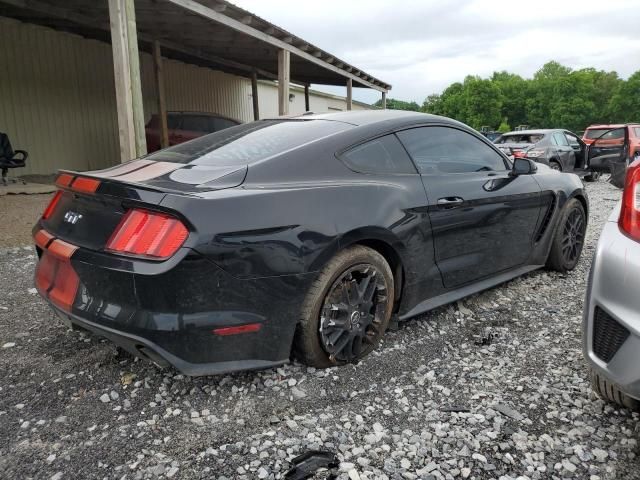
<point x="420" y="47"/>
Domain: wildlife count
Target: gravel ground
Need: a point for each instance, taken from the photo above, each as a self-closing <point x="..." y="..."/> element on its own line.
<point x="431" y="403"/>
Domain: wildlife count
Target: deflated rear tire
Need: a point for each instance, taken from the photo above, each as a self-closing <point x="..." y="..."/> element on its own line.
<point x="347" y="309"/>
<point x="568" y="239"/>
<point x="610" y="392"/>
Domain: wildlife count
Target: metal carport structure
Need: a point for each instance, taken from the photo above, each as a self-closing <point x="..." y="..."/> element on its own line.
<point x="210" y="33"/>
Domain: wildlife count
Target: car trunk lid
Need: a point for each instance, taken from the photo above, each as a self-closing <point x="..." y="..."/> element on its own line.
<point x="92" y="204"/>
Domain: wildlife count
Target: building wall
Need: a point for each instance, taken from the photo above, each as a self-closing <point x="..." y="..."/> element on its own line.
<point x="57" y="97"/>
<point x="318" y="102"/>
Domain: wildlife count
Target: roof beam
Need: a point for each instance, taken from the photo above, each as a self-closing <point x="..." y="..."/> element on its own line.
<point x="47" y="9"/>
<point x="218" y="17"/>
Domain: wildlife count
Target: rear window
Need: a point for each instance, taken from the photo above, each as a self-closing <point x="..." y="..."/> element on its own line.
<point x="524" y="138"/>
<point x="593" y="133"/>
<point x="636" y="130"/>
<point x="249" y="142"/>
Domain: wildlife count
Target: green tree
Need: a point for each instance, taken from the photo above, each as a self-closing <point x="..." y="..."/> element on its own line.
<point x="433" y="104"/>
<point x="394" y="104"/>
<point x="624" y="105"/>
<point x="514" y="90"/>
<point x="504" y="127"/>
<point x="482" y="101"/>
<point x="556" y="97"/>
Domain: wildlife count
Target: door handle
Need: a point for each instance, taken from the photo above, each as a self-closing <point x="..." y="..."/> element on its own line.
<point x="449" y="202"/>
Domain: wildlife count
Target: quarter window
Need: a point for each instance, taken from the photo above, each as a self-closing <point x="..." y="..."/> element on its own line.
<point x="438" y="150"/>
<point x="382" y="155"/>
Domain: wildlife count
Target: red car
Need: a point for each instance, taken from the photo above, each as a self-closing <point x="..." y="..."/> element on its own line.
<point x="614" y="135"/>
<point x="185" y="126"/>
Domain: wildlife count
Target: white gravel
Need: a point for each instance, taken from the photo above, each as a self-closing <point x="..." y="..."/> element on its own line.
<point x="433" y="402"/>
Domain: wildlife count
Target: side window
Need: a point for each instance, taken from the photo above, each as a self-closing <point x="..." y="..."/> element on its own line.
<point x="195" y="123"/>
<point x="573" y="141"/>
<point x="437" y="150"/>
<point x="174" y="122"/>
<point x="560" y="139"/>
<point x="382" y="155"/>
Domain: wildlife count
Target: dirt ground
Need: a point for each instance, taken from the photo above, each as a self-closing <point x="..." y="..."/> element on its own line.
<point x="18" y="214"/>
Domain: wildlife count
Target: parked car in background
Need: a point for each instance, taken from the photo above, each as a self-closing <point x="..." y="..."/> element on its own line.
<point x="492" y="135"/>
<point x="559" y="149"/>
<point x="611" y="329"/>
<point x="298" y="235"/>
<point x="612" y="148"/>
<point x="614" y="135"/>
<point x="185" y="126"/>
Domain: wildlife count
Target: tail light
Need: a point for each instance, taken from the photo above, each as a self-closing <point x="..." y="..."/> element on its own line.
<point x="148" y="234"/>
<point x="534" y="153"/>
<point x="55" y="277"/>
<point x="519" y="154"/>
<point x="52" y="205"/>
<point x="629" y="220"/>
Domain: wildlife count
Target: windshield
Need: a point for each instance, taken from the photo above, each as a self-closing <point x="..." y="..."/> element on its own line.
<point x="521" y="138"/>
<point x="604" y="133"/>
<point x="248" y="143"/>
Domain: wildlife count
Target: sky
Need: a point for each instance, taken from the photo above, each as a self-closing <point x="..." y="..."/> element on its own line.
<point x="421" y="47"/>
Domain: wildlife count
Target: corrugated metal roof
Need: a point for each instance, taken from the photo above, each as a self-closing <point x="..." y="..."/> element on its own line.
<point x="212" y="33"/>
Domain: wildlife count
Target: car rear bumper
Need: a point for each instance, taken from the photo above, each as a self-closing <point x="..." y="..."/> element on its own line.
<point x="187" y="316"/>
<point x="611" y="330"/>
<point x="144" y="348"/>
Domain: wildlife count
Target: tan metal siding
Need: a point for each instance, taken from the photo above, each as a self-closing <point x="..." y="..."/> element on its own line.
<point x="56" y="98"/>
<point x="318" y="101"/>
<point x="197" y="89"/>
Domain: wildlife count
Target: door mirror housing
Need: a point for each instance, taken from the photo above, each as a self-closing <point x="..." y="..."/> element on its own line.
<point x="523" y="166"/>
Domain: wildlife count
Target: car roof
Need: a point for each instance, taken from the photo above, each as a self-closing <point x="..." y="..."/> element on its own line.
<point x="368" y="117"/>
<point x="540" y="131"/>
<point x="613" y="125"/>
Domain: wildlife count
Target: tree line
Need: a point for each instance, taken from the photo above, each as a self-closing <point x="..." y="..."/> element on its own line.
<point x="556" y="97"/>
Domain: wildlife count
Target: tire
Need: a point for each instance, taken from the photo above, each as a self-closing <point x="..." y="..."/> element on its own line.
<point x="568" y="238"/>
<point x="610" y="392"/>
<point x="555" y="165"/>
<point x="330" y="317"/>
<point x="593" y="177"/>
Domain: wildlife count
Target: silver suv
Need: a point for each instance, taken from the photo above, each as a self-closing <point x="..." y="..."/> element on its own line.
<point x="611" y="331"/>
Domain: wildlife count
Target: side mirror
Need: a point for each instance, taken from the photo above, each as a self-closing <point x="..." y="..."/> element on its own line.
<point x="523" y="166"/>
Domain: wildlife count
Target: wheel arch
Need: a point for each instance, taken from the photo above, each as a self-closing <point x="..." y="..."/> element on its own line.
<point x="556" y="160"/>
<point x="386" y="244"/>
<point x="583" y="200"/>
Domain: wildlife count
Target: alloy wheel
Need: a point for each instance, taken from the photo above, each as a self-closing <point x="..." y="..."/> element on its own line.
<point x="352" y="314"/>
<point x="573" y="236"/>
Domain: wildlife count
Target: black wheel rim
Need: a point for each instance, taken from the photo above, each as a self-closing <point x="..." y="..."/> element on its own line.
<point x="353" y="313"/>
<point x="573" y="236"/>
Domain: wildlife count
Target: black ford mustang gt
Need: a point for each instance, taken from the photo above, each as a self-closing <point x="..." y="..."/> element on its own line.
<point x="297" y="236"/>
